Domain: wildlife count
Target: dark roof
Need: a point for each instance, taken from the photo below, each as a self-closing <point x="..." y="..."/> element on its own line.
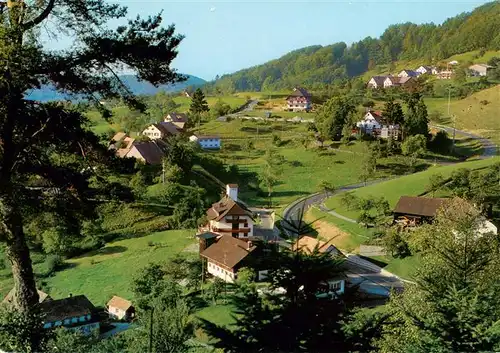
<point x="42" y="296"/>
<point x="178" y="117"/>
<point x="419" y="206"/>
<point x="379" y="80"/>
<point x="411" y="73"/>
<point x="150" y="151"/>
<point x="299" y="92"/>
<point x="207" y="235"/>
<point x="228" y="251"/>
<point x="167" y="128"/>
<point x="58" y="310"/>
<point x="225" y="207"/>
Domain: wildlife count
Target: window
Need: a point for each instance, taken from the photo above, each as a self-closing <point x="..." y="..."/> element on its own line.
<point x="58" y="323"/>
<point x="66" y="321"/>
<point x="335" y="286"/>
<point x="74" y="320"/>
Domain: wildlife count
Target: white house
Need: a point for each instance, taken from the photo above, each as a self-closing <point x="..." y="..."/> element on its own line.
<point x="119" y="308"/>
<point x="408" y="73"/>
<point x="209" y="142"/>
<point x="160" y="130"/>
<point x="424" y="70"/>
<point x="377" y="82"/>
<point x="226" y="256"/>
<point x="229" y="216"/>
<point x="374" y="124"/>
<point x="76" y="313"/>
<point x="479" y="69"/>
<point x="178" y="119"/>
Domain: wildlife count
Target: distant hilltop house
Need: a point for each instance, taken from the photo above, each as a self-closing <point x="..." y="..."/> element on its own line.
<point x="161" y="130"/>
<point x="409" y="73"/>
<point x="230" y="216"/>
<point x="120" y="308"/>
<point x="208" y="142"/>
<point x="178" y="119"/>
<point x="224" y="254"/>
<point x="479" y="69"/>
<point x="388" y="81"/>
<point x="299" y="101"/>
<point x="42" y="296"/>
<point x="374" y="124"/>
<point x="426" y="70"/>
<point x="75" y="312"/>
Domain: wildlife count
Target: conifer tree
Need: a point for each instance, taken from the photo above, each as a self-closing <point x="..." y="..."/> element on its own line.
<point x="199" y="104"/>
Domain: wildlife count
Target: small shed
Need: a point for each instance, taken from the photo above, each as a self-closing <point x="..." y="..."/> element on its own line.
<point x="120" y="308"/>
<point x="413" y="210"/>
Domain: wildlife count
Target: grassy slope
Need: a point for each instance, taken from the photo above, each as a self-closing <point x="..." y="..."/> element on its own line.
<point x="110" y="270"/>
<point x="413" y="184"/>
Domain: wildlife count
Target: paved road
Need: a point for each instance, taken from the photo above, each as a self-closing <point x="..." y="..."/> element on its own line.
<point x="373" y="280"/>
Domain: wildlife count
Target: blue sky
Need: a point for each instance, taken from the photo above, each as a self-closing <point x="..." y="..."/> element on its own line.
<point x="225" y="36"/>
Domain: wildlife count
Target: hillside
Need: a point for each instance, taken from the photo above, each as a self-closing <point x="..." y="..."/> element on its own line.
<point x="47" y="93"/>
<point x="316" y="65"/>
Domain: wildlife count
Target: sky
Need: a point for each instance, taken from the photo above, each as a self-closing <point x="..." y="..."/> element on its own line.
<point x="225" y="36"/>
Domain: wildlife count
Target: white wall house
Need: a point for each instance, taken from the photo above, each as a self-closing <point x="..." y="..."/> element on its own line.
<point x="370" y="122"/>
<point x="153" y="132"/>
<point x="227" y="275"/>
<point x="423" y="70"/>
<point x="206" y="142"/>
<point x="479" y="69"/>
<point x="120" y="308"/>
<point x="229" y="216"/>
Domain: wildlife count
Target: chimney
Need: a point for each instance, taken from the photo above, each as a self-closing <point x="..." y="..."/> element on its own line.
<point x="249" y="244"/>
<point x="232" y="191"/>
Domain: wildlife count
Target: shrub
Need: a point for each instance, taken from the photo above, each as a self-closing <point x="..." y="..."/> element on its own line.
<point x="484" y="102"/>
<point x="54" y="263"/>
<point x="276" y="140"/>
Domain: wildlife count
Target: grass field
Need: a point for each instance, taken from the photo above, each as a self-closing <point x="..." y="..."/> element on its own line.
<point x="110" y="270"/>
<point x="413" y="184"/>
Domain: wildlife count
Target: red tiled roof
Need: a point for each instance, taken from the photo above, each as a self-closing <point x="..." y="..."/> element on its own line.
<point x="120" y="303"/>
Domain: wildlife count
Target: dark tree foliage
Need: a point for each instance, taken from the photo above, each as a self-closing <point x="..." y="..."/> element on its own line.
<point x="314" y="65"/>
<point x="198" y="102"/>
<point x="50" y="142"/>
<point x="393" y="112"/>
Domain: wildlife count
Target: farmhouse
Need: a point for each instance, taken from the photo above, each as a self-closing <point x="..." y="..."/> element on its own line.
<point x="424" y="70"/>
<point x="119" y="308"/>
<point x="122" y="144"/>
<point x="160" y="130"/>
<point x="396" y="81"/>
<point x="374" y="124"/>
<point x="149" y="152"/>
<point x="413" y="210"/>
<point x="229" y="216"/>
<point x="445" y="74"/>
<point x="408" y="73"/>
<point x="42" y="296"/>
<point x="377" y="82"/>
<point x="209" y="142"/>
<point x="225" y="255"/>
<point x="178" y="119"/>
<point x="76" y="313"/>
<point x="479" y="69"/>
<point x="299" y="100"/>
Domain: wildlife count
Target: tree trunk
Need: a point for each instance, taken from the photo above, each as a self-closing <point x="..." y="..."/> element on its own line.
<point x="25" y="293"/>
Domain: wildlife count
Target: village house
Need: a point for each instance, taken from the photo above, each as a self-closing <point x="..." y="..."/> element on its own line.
<point x="120" y="308"/>
<point x="209" y="142"/>
<point x="178" y="119"/>
<point x="414" y="210"/>
<point x="375" y="125"/>
<point x="161" y="130"/>
<point x="225" y="255"/>
<point x="230" y="216"/>
<point x="74" y="312"/>
<point x="408" y="73"/>
<point x="149" y="152"/>
<point x="299" y="100"/>
<point x="425" y="70"/>
<point x="42" y="297"/>
<point x="121" y="144"/>
<point x="479" y="69"/>
<point x="377" y="82"/>
<point x="396" y="81"/>
<point x="308" y="244"/>
<point x="445" y="74"/>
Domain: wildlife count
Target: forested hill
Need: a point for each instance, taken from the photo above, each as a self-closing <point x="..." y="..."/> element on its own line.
<point x="479" y="29"/>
